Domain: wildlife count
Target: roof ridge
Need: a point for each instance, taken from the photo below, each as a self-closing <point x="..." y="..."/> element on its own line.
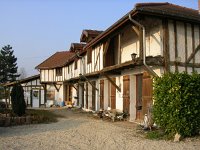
<point x="183" y="7"/>
<point x="160" y="4"/>
<point x="151" y="4"/>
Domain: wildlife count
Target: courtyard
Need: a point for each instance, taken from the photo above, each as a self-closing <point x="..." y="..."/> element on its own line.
<point x="80" y="130"/>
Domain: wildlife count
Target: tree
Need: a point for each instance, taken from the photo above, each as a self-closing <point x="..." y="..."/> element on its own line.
<point x="8" y="65"/>
<point x="17" y="99"/>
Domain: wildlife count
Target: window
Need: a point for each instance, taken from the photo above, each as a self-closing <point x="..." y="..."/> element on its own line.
<point x="58" y="71"/>
<point x="75" y="64"/>
<point x="68" y="70"/>
<point x="89" y="56"/>
<point x="50" y="95"/>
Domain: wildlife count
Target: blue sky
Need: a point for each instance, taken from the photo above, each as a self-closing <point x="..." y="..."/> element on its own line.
<point x="36" y="29"/>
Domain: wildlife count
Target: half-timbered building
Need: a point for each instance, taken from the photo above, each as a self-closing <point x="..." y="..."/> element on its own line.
<point x="115" y="68"/>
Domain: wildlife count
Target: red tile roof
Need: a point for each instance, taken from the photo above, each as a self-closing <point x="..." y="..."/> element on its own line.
<point x="59" y="59"/>
<point x="76" y="46"/>
<point x="156" y="9"/>
<point x="169" y="9"/>
<point x="89" y="33"/>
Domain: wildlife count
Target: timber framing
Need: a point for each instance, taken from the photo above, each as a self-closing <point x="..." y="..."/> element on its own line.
<point x="116" y="69"/>
<point x="82" y="76"/>
<point x="112" y="82"/>
<point x="166" y="43"/>
<point x="195" y="65"/>
<point x="175" y="44"/>
<point x="186" y="46"/>
<point x="193" y="54"/>
<point x="57" y="86"/>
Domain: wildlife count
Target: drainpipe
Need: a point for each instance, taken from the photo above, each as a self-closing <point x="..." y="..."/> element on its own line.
<point x="144" y="45"/>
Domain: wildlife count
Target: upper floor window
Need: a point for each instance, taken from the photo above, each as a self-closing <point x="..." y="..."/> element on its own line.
<point x="75" y="64"/>
<point x="58" y="71"/>
<point x="89" y="56"/>
<point x="68" y="69"/>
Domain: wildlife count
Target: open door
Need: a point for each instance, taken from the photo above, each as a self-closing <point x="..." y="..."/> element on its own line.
<point x="102" y="94"/>
<point x="69" y="95"/>
<point x="147" y="93"/>
<point x="139" y="114"/>
<point x="126" y="94"/>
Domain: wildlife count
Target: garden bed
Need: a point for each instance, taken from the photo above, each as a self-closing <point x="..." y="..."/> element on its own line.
<point x="31" y="117"/>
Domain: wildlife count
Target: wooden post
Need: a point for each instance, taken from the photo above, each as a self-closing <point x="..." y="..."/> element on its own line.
<point x="176" y="50"/>
<point x="141" y="44"/>
<point x="166" y="44"/>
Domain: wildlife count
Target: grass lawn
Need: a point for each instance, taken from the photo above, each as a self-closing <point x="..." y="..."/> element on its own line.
<point x="42" y="116"/>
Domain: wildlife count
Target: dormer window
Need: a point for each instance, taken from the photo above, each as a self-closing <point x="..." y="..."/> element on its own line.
<point x="58" y="71"/>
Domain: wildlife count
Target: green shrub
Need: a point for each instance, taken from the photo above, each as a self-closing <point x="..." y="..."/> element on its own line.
<point x="177" y="103"/>
<point x="17" y="99"/>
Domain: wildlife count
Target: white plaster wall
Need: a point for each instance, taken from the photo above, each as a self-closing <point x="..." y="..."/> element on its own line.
<point x="101" y="58"/>
<point x="196" y="43"/>
<point x="153" y="41"/>
<point x="42" y="96"/>
<point x="189" y="70"/>
<point x="106" y="94"/>
<point x="97" y="98"/>
<point x="119" y="95"/>
<point x="172" y="68"/>
<point x="89" y="97"/>
<point x="132" y="98"/>
<point x="181" y="40"/>
<point x="129" y="44"/>
<point x="189" y="39"/>
<point x="181" y="69"/>
<point x="74" y="94"/>
<point x="171" y="41"/>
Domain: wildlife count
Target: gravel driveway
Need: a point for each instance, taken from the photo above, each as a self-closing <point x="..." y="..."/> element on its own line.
<point x="79" y="131"/>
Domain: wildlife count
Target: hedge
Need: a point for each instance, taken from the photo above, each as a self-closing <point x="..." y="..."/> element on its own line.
<point x="177" y="103"/>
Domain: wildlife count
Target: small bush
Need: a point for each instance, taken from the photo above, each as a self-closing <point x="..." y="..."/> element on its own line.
<point x="155" y="135"/>
<point x="177" y="103"/>
<point x="17" y="99"/>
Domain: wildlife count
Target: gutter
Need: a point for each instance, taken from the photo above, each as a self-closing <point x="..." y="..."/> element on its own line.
<point x="144" y="46"/>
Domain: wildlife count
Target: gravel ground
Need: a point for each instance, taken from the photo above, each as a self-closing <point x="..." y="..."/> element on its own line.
<point x="79" y="131"/>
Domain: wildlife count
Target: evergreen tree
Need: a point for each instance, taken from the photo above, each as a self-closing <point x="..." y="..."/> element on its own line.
<point x="17" y="99"/>
<point x="8" y="65"/>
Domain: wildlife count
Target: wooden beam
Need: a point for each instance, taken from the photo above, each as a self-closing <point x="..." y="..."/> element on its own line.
<point x="112" y="82"/>
<point x="193" y="45"/>
<point x="97" y="58"/>
<point x="141" y="44"/>
<point x="74" y="87"/>
<point x="175" y="45"/>
<point x="166" y="44"/>
<point x="89" y="82"/>
<point x="105" y="49"/>
<point x="119" y="48"/>
<point x="137" y="31"/>
<point x="182" y="64"/>
<point x="186" y="45"/>
<point x="193" y="54"/>
<point x="57" y="88"/>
